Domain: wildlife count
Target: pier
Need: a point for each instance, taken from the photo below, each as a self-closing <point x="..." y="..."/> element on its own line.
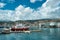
<point x="29" y="31"/>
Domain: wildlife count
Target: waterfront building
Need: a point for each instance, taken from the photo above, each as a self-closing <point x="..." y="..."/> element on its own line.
<point x="42" y="23"/>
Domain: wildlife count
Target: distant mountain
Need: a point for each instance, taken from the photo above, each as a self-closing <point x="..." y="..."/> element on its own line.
<point x="30" y="20"/>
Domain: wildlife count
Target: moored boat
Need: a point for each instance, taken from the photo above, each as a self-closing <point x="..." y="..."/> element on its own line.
<point x="20" y="29"/>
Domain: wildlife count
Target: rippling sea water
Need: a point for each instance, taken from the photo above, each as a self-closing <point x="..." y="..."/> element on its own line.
<point x="45" y="34"/>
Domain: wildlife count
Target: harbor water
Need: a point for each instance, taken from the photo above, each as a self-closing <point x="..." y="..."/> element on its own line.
<point x="45" y="34"/>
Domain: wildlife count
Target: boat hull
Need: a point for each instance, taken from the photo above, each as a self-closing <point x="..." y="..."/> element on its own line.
<point x="19" y="29"/>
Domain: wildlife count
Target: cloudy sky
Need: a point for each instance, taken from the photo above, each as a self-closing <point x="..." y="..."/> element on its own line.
<point x="13" y="10"/>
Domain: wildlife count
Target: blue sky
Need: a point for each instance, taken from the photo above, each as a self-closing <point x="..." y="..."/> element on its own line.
<point x="11" y="5"/>
<point x="13" y="10"/>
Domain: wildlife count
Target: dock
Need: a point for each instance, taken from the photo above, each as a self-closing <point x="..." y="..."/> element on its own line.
<point x="29" y="31"/>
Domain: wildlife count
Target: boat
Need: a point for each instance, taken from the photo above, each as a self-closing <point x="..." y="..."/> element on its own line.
<point x="20" y="29"/>
<point x="4" y="30"/>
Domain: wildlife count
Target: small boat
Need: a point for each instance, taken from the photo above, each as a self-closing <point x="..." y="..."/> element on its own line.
<point x="6" y="31"/>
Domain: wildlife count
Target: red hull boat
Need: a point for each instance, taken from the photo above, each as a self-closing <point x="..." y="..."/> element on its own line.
<point x="19" y="29"/>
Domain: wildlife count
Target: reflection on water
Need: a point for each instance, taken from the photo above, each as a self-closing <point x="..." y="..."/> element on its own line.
<point x="45" y="34"/>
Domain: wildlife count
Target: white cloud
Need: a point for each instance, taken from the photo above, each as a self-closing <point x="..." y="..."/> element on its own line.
<point x="22" y="12"/>
<point x="6" y="15"/>
<point x="50" y="9"/>
<point x="2" y="5"/>
<point x="33" y="1"/>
